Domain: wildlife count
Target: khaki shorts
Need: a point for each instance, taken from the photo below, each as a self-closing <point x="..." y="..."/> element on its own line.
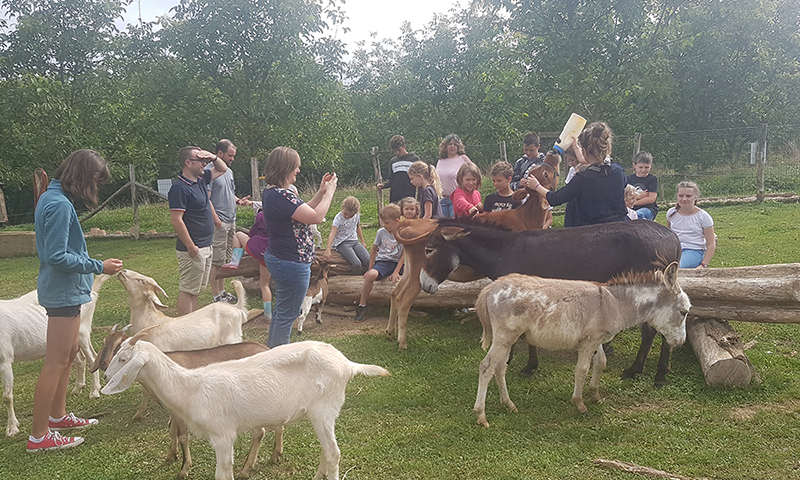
<point x="223" y="243"/>
<point x="194" y="271"/>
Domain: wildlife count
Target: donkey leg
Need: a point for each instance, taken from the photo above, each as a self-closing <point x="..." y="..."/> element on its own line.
<point x="500" y="378"/>
<point x="581" y="370"/>
<point x="663" y="363"/>
<point x="648" y="334"/>
<point x="485" y="373"/>
<point x="598" y="366"/>
<point x="533" y="363"/>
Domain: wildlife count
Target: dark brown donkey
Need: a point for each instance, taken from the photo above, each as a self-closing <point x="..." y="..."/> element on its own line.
<point x="594" y="253"/>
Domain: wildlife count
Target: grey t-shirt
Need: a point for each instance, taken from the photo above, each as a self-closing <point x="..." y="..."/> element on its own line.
<point x="388" y="248"/>
<point x="223" y="195"/>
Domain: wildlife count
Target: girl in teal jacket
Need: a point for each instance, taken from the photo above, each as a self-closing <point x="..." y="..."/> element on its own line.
<point x="64" y="284"/>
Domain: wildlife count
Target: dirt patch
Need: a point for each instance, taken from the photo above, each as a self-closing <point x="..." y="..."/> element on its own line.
<point x="337" y="323"/>
<point x="747" y="412"/>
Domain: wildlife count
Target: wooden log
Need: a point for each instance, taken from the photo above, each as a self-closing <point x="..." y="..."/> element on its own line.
<point x="248" y="267"/>
<point x="753" y="271"/>
<point x="720" y="352"/>
<point x="344" y="290"/>
<point x="743" y="300"/>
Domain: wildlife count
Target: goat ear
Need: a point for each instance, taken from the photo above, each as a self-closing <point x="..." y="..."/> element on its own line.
<point x="519" y="195"/>
<point x="153" y="296"/>
<point x="124" y="377"/>
<point x="453" y="233"/>
<point x="671" y="276"/>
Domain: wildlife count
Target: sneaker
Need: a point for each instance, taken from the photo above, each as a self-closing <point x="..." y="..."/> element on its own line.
<point x="361" y="313"/>
<point x="53" y="441"/>
<point x="217" y="298"/>
<point x="230" y="266"/>
<point x="71" y="421"/>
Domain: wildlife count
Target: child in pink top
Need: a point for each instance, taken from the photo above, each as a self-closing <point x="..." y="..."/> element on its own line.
<point x="466" y="198"/>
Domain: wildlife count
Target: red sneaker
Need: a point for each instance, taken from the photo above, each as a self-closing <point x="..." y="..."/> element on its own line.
<point x="71" y="421"/>
<point x="230" y="266"/>
<point x="53" y="441"/>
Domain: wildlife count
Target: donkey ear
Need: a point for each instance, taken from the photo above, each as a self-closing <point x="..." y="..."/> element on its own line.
<point x="671" y="275"/>
<point x="453" y="233"/>
<point x="413" y="231"/>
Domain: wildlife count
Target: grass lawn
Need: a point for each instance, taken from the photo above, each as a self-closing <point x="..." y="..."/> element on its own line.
<point x="419" y="424"/>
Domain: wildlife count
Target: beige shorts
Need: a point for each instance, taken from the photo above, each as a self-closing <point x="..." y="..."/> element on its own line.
<point x="194" y="271"/>
<point x="223" y="243"/>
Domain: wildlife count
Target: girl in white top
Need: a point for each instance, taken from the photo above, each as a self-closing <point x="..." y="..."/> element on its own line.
<point x="451" y="157"/>
<point x="346" y="234"/>
<point x="694" y="227"/>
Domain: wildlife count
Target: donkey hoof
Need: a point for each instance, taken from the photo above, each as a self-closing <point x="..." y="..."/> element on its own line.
<point x="629" y="374"/>
<point x="660" y="382"/>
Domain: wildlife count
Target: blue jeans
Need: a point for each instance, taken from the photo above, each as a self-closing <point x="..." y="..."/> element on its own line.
<point x="291" y="285"/>
<point x="691" y="258"/>
<point x="645" y="214"/>
<point x="447" y="207"/>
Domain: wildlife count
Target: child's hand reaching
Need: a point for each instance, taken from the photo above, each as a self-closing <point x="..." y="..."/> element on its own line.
<point x="394" y="277"/>
<point x="326" y="257"/>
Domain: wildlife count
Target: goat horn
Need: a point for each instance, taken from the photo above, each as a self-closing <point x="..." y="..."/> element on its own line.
<point x="141" y="334"/>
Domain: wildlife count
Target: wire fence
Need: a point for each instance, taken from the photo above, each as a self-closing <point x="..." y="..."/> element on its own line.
<point x="723" y="162"/>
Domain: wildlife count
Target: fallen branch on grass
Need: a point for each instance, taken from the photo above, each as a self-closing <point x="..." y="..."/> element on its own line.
<point x="633" y="468"/>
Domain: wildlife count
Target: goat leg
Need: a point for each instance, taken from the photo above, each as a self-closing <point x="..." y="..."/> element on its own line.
<point x="256" y="437"/>
<point x="7" y="374"/>
<point x="277" y="452"/>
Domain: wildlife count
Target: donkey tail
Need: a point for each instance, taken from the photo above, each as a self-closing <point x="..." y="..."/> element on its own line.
<point x="482" y="308"/>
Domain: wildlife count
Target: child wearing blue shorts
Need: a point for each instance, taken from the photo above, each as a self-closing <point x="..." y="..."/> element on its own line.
<point x="385" y="257"/>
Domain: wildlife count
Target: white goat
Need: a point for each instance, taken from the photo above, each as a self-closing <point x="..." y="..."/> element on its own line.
<point x="178" y="431"/>
<point x="273" y="388"/>
<point x="216" y="324"/>
<point x="23" y="338"/>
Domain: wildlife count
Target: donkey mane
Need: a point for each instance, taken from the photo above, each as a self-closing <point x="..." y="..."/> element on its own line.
<point x="472" y="222"/>
<point x="653" y="277"/>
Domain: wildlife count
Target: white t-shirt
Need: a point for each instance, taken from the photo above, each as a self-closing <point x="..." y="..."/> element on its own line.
<point x="689" y="228"/>
<point x="346" y="228"/>
<point x="388" y="248"/>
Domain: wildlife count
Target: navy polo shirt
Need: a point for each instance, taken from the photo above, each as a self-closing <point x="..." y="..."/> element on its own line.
<point x="192" y="199"/>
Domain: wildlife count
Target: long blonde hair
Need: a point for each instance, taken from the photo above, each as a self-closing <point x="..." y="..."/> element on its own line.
<point x="428" y="172"/>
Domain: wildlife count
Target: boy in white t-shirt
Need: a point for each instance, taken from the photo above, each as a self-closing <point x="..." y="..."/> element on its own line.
<point x="385" y="257"/>
<point x="345" y="235"/>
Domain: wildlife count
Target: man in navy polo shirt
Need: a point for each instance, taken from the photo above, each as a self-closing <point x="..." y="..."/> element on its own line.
<point x="190" y="212"/>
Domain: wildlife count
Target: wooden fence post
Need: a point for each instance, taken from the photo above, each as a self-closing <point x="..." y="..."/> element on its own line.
<point x="761" y="164"/>
<point x="503" y="156"/>
<point x="637" y="143"/>
<point x="376" y="167"/>
<point x="255" y="191"/>
<point x="135" y="228"/>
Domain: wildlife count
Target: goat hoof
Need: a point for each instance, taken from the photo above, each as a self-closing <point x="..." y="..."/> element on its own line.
<point x="482" y="422"/>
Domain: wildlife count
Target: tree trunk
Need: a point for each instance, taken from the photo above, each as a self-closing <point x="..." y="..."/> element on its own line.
<point x="720" y="352"/>
<point x="344" y="290"/>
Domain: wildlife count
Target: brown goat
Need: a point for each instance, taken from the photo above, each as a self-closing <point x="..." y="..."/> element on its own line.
<point x="178" y="431"/>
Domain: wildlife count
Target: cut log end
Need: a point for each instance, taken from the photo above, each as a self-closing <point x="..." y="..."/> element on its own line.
<point x="732" y="372"/>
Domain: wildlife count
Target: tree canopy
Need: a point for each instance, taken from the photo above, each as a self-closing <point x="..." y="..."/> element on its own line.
<point x="265" y="73"/>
